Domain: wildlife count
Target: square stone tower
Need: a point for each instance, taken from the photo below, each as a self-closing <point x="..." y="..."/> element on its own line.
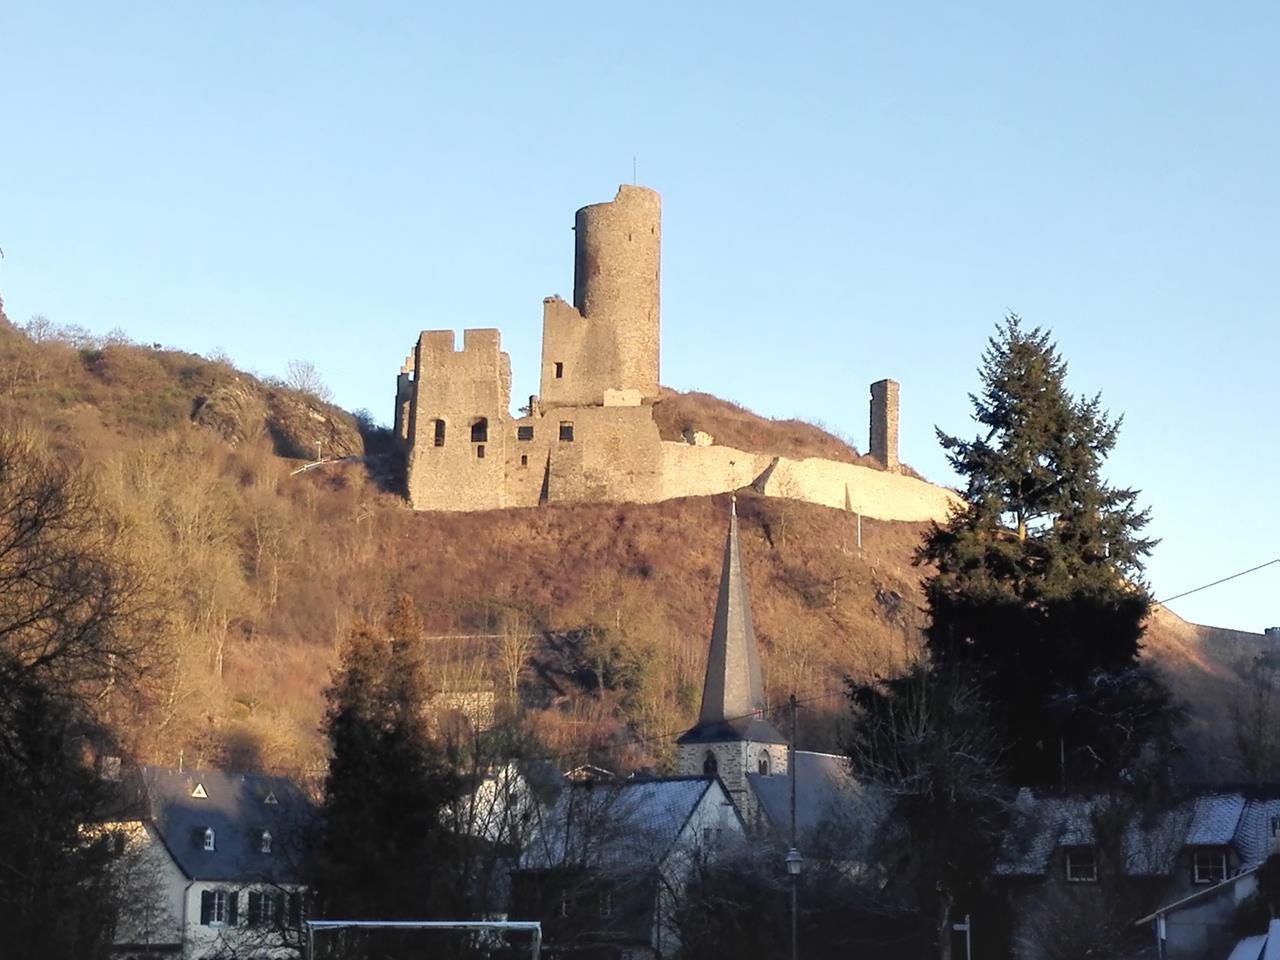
<point x="884" y="423"/>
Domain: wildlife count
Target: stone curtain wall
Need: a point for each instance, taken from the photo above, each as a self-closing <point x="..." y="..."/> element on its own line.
<point x="694" y="471"/>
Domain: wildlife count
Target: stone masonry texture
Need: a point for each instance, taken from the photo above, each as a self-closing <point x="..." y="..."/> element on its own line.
<point x="884" y="422"/>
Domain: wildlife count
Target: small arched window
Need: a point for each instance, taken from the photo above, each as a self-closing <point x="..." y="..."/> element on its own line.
<point x="480" y="430"/>
<point x="208" y="838"/>
<point x="438" y="426"/>
<point x="710" y="766"/>
<point x="264" y="844"/>
<point x="764" y="762"/>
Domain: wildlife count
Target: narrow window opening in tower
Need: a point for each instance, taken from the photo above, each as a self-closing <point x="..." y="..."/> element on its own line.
<point x="764" y="763"/>
<point x="566" y="431"/>
<point x="439" y="432"/>
<point x="480" y="431"/>
<point x="479" y="451"/>
<point x="710" y="766"/>
<point x="524" y="460"/>
<point x="559" y="370"/>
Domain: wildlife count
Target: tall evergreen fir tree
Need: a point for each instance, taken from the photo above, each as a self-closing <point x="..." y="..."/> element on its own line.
<point x="383" y="841"/>
<point x="1038" y="586"/>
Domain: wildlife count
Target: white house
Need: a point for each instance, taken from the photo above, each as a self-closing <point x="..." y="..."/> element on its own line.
<point x="211" y="864"/>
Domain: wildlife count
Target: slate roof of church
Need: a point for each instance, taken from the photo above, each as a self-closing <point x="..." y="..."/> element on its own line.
<point x="236" y="808"/>
<point x="733" y="702"/>
<point x="833" y="810"/>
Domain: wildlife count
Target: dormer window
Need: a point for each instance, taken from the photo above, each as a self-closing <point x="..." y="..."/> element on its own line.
<point x="264" y="841"/>
<point x="209" y="839"/>
<point x="1209" y="865"/>
<point x="1082" y="864"/>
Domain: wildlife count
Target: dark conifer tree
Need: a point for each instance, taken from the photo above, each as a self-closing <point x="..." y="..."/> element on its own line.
<point x="383" y="843"/>
<point x="1038" y="585"/>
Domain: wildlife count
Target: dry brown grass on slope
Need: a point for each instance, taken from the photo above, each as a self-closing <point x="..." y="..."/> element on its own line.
<point x="736" y="426"/>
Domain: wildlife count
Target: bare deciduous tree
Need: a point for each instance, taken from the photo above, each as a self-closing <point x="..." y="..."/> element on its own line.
<point x="303" y="376"/>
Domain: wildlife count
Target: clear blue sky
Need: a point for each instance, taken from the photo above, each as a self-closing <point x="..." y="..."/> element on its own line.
<point x="851" y="191"/>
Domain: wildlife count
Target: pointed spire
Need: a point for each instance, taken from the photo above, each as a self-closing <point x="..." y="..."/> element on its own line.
<point x="734" y="688"/>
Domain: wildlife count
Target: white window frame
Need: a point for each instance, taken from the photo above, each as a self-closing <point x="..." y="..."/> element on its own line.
<point x="264" y="841"/>
<point x="1076" y="875"/>
<point x="209" y="839"/>
<point x="218" y="903"/>
<point x="1205" y="863"/>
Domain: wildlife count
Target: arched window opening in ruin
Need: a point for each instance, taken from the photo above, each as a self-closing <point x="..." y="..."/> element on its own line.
<point x="710" y="766"/>
<point x="480" y="430"/>
<point x="439" y="432"/>
<point x="559" y="370"/>
<point x="764" y="762"/>
<point x="566" y="430"/>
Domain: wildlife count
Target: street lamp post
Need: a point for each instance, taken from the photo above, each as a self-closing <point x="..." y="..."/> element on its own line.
<point x="794" y="861"/>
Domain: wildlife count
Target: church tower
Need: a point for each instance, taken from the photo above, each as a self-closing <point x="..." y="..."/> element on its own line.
<point x="732" y="737"/>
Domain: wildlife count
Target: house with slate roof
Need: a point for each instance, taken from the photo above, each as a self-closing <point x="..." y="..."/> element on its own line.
<point x="1198" y="859"/>
<point x="606" y="868"/>
<point x="211" y="864"/>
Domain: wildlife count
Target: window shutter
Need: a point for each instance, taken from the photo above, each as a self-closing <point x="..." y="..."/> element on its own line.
<point x="295" y="909"/>
<point x="232" y="903"/>
<point x="206" y="907"/>
<point x="280" y="918"/>
<point x="255" y="908"/>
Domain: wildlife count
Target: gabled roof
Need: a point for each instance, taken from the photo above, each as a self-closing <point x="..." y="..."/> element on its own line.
<point x="733" y="702"/>
<point x="238" y="808"/>
<point x="631" y="823"/>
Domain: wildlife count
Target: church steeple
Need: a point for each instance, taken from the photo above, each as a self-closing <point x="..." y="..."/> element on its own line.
<point x="733" y="703"/>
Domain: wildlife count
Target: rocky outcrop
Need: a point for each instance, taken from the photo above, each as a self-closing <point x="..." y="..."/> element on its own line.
<point x="300" y="426"/>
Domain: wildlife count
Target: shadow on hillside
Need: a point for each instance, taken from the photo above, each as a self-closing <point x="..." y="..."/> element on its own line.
<point x="384" y="460"/>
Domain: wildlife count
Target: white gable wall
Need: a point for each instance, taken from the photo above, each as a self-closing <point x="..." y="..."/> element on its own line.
<point x="712" y="828"/>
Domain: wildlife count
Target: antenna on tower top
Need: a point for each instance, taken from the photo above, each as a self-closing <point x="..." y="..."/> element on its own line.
<point x="634" y="181"/>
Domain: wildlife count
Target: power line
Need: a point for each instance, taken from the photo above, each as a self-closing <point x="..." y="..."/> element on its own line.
<point x="1206" y="586"/>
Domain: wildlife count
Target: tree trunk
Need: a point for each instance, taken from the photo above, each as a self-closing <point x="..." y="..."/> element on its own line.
<point x="945" y="903"/>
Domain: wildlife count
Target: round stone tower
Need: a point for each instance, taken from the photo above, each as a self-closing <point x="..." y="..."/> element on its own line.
<point x="616" y="281"/>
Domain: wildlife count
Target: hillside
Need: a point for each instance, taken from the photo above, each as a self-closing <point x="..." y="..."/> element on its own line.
<point x="592" y="618"/>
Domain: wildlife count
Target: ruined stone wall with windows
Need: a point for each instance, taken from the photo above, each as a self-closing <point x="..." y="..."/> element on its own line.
<point x="590" y="433"/>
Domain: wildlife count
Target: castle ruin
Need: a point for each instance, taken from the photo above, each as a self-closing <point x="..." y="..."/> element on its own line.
<point x="590" y="433"/>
